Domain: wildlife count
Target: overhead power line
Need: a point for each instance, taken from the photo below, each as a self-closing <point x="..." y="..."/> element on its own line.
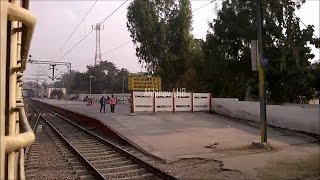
<point x="118" y="47"/>
<point x="92" y="30"/>
<point x="74" y="30"/>
<point x="76" y="45"/>
<point x="107" y="52"/>
<point x="113" y="12"/>
<point x="203" y="6"/>
<point x="304" y="25"/>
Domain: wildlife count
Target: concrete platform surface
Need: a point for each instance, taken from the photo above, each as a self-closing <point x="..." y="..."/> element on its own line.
<point x="171" y="136"/>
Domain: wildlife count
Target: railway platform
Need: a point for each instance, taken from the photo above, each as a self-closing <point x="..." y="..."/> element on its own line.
<point x="172" y="136"/>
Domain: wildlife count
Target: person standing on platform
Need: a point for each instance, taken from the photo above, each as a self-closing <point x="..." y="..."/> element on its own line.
<point x="103" y="104"/>
<point x="108" y="100"/>
<point x="113" y="103"/>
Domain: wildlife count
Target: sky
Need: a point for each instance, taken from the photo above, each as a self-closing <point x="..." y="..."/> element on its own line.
<point x="57" y="19"/>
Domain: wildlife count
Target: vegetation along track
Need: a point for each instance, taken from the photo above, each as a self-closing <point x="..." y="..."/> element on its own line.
<point x="96" y="157"/>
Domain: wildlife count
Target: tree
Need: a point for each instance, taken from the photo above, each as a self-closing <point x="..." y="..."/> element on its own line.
<point x="106" y="78"/>
<point x="161" y="30"/>
<point x="104" y="75"/>
<point x="315" y="70"/>
<point x="285" y="45"/>
<point x="120" y="80"/>
<point x="56" y="93"/>
<point x="64" y="80"/>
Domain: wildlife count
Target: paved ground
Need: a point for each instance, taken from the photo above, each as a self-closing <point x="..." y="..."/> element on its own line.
<point x="203" y="135"/>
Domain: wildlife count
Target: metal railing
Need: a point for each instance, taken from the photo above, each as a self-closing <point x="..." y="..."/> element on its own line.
<point x="16" y="29"/>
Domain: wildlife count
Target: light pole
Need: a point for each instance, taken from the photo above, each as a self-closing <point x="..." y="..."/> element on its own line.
<point x="90" y="83"/>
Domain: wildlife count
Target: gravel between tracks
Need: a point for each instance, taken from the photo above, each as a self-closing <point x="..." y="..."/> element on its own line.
<point x="44" y="160"/>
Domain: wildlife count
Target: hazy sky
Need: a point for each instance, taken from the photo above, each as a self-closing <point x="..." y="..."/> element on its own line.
<point x="57" y="19"/>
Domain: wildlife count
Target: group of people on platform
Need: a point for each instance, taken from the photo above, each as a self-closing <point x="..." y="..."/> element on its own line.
<point x="103" y="101"/>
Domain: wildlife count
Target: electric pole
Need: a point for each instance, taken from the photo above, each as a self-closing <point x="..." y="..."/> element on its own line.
<point x="53" y="67"/>
<point x="54" y="64"/>
<point x="97" y="58"/>
<point x="262" y="92"/>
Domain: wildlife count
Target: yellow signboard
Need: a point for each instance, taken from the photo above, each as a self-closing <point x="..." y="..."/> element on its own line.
<point x="144" y="83"/>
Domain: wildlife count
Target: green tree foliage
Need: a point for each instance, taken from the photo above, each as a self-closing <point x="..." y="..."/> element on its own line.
<point x="315" y="70"/>
<point x="64" y="80"/>
<point x="106" y="78"/>
<point x="56" y="93"/>
<point x="161" y="30"/>
<point x="227" y="52"/>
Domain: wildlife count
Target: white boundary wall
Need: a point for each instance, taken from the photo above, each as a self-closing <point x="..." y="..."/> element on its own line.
<point x="201" y="102"/>
<point x="299" y="117"/>
<point x="164" y="102"/>
<point x="183" y="103"/>
<point x="142" y="102"/>
<point x="170" y="102"/>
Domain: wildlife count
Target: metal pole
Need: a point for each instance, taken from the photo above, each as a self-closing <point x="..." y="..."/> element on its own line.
<point x="123" y="89"/>
<point x="38" y="88"/>
<point x="69" y="81"/>
<point x="90" y="84"/>
<point x="262" y="91"/>
<point x="53" y="66"/>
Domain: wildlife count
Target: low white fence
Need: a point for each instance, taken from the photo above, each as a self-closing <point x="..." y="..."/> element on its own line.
<point x="183" y="103"/>
<point x="170" y="101"/>
<point x="158" y="102"/>
<point x="121" y="98"/>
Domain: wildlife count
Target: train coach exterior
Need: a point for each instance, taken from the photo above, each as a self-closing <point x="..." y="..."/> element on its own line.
<point x="16" y="29"/>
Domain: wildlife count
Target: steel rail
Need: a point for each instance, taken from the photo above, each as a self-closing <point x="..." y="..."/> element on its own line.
<point x="122" y="151"/>
<point x="72" y="148"/>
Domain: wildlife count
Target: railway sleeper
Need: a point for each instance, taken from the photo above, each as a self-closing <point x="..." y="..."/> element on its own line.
<point x="82" y="172"/>
<point x="83" y="141"/>
<point x="67" y="155"/>
<point x="96" y="150"/>
<point x="32" y="166"/>
<point x="114" y="164"/>
<point x="93" y="149"/>
<point x="148" y="176"/>
<point x="79" y="167"/>
<point x="31" y="161"/>
<point x="89" y="145"/>
<point x="31" y="171"/>
<point x="113" y="160"/>
<point x="100" y="154"/>
<point x="126" y="168"/>
<point x="75" y="163"/>
<point x="131" y="173"/>
<point x="105" y="157"/>
<point x="87" y="177"/>
<point x="72" y="159"/>
<point x="33" y="156"/>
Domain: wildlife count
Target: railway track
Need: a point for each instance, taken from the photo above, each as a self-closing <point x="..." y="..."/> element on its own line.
<point x="94" y="157"/>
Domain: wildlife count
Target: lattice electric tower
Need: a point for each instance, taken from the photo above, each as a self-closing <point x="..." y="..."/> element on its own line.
<point x="97" y="57"/>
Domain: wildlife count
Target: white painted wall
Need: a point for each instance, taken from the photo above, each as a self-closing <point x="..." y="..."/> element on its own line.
<point x="201" y="101"/>
<point x="183" y="103"/>
<point x="142" y="102"/>
<point x="298" y="118"/>
<point x="171" y="101"/>
<point x="164" y="102"/>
